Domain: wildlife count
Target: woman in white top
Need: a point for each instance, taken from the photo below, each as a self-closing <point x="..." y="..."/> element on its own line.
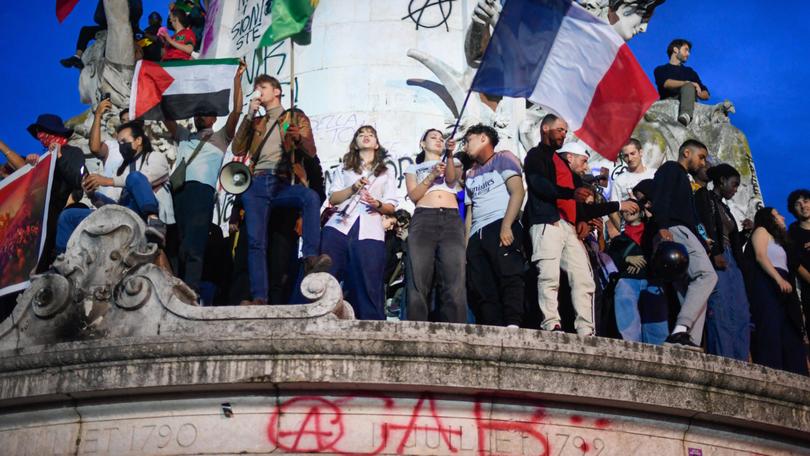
<point x="436" y="247"/>
<point x="775" y="310"/>
<point x="363" y="189"/>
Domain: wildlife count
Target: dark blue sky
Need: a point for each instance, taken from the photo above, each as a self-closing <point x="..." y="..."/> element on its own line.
<point x="751" y="52"/>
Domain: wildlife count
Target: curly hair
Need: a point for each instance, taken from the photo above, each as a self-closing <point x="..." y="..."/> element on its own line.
<point x="794" y="196"/>
<point x="352" y="158"/>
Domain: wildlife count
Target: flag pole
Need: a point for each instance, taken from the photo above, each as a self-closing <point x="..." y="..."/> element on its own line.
<point x="292" y="104"/>
<point x="469" y="91"/>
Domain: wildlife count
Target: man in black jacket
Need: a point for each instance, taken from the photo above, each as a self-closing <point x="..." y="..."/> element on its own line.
<point x="552" y="215"/>
<point x="67" y="177"/>
<point x="676" y="215"/>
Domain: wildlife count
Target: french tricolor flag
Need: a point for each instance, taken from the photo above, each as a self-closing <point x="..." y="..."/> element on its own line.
<point x="556" y="54"/>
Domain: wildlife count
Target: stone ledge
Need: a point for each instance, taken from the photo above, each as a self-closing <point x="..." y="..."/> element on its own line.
<point x="414" y="356"/>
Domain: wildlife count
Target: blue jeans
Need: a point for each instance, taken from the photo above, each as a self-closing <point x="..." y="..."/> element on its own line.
<point x="728" y="318"/>
<point x="266" y="192"/>
<point x="360" y="265"/>
<point x="137" y="196"/>
<point x="641" y="311"/>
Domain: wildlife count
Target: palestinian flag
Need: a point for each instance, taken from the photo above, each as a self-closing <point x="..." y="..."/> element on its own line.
<point x="181" y="89"/>
<point x="289" y="18"/>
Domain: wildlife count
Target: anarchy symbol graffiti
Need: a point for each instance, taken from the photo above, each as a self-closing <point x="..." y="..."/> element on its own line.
<point x="432" y="13"/>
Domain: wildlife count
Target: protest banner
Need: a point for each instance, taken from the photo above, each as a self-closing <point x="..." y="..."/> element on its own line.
<point x="24" y="199"/>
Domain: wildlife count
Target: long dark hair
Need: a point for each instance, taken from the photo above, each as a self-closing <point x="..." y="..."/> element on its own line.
<point x="352" y="158"/>
<point x="420" y="157"/>
<point x="764" y="218"/>
<point x="137" y="130"/>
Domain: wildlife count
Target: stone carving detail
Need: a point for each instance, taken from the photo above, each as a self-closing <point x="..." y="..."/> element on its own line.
<point x="106" y="285"/>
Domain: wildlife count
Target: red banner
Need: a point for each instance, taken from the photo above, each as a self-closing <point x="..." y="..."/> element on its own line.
<point x="24" y="198"/>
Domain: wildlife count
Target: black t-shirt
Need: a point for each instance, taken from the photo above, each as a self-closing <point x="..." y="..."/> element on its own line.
<point x="676" y="73"/>
<point x="801" y="244"/>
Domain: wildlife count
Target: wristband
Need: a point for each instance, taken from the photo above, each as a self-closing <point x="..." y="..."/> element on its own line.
<point x="380" y="204"/>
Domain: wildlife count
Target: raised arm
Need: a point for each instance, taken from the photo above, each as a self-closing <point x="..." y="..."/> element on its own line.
<point x="13" y="158"/>
<point x="97" y="146"/>
<point x="236" y="113"/>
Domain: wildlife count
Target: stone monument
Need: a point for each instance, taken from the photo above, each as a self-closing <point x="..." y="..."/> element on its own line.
<point x="107" y="354"/>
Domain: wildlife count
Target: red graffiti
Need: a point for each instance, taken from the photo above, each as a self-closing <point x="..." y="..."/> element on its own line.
<point x="321" y="428"/>
<point x="444" y="432"/>
<point x="529" y="427"/>
<point x="314" y="424"/>
<point x="602" y="423"/>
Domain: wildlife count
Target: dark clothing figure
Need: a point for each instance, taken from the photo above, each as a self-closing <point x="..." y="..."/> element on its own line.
<point x="672" y="198"/>
<point x="686" y="94"/>
<point x="728" y="318"/>
<point x="436" y="249"/>
<point x="67" y="177"/>
<point x="151" y="44"/>
<point x="193" y="206"/>
<point x="777" y="339"/>
<point x="88" y="32"/>
<point x="677" y="73"/>
<point x="495" y="276"/>
<point x="800" y="239"/>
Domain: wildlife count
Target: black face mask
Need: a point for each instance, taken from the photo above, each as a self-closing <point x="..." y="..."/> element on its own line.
<point x="126" y="151"/>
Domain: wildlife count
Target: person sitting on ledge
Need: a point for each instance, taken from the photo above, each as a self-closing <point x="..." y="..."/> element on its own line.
<point x="140" y="172"/>
<point x="676" y="80"/>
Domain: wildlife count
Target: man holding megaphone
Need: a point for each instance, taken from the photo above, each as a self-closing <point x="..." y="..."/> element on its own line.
<point x="277" y="142"/>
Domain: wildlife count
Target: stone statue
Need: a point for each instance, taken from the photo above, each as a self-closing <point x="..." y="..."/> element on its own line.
<point x="106" y="285"/>
<point x="109" y="64"/>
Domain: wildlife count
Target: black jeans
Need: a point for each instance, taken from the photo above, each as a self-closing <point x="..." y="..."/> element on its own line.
<point x="436" y="260"/>
<point x="193" y="211"/>
<point x="87" y="34"/>
<point x="495" y="276"/>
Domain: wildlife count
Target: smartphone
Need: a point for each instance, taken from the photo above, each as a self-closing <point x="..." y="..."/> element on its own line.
<point x="106" y="96"/>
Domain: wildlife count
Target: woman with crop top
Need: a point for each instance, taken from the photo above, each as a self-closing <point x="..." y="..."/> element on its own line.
<point x="777" y="340"/>
<point x="436" y="247"/>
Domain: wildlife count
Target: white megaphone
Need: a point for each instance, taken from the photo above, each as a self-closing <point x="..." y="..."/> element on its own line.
<point x="235" y="177"/>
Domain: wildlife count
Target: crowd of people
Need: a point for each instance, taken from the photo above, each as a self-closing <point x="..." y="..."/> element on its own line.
<point x="651" y="255"/>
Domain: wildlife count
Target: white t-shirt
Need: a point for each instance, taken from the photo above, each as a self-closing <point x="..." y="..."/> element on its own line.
<point x="111" y="164"/>
<point x="485" y="188"/>
<point x="623" y="183"/>
<point x="421" y="171"/>
<point x="382" y="187"/>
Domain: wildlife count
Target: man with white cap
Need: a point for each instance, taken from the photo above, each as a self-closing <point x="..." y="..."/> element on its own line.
<point x="552" y="213"/>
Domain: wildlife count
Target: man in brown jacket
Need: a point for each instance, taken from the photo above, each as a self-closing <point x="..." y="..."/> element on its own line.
<point x="275" y="143"/>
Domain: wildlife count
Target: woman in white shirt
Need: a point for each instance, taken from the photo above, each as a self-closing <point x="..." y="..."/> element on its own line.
<point x="436" y="247"/>
<point x="363" y="189"/>
<point x="777" y="340"/>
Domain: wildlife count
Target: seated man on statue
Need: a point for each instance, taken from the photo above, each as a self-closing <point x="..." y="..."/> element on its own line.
<point x="140" y="174"/>
<point x="676" y="80"/>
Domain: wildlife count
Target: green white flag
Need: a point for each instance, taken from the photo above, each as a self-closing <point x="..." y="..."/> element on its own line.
<point x="289" y="18"/>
